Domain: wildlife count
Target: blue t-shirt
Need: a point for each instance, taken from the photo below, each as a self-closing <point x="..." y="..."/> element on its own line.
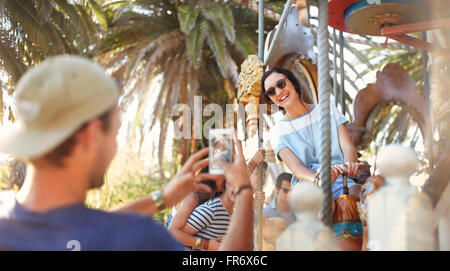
<point x="302" y="136"/>
<point x="21" y="229"/>
<point x="271" y="210"/>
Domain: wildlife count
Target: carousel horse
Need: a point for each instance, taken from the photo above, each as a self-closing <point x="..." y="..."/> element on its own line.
<point x="347" y="224"/>
<point x="273" y="227"/>
<point x="302" y="10"/>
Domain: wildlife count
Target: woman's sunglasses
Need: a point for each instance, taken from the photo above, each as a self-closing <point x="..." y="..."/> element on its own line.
<point x="280" y="85"/>
<point x="286" y="190"/>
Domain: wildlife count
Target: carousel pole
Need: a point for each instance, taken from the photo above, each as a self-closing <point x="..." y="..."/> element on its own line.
<point x="335" y="92"/>
<point x="261" y="30"/>
<point x="341" y="51"/>
<point x="324" y="106"/>
<point x="261" y="171"/>
<point x="426" y="86"/>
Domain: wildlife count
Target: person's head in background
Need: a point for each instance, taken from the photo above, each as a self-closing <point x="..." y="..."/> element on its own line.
<point x="283" y="186"/>
<point x="66" y="126"/>
<point x="217" y="188"/>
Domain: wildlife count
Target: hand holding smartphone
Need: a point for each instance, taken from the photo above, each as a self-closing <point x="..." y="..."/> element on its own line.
<point x="220" y="148"/>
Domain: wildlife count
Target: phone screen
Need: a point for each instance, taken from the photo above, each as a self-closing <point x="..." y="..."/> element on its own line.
<point x="220" y="147"/>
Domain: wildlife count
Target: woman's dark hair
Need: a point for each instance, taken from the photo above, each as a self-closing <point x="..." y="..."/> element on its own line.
<point x="263" y="98"/>
<point x="204" y="196"/>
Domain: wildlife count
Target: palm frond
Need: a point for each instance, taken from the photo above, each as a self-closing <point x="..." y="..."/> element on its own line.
<point x="217" y="45"/>
<point x="245" y="45"/>
<point x="10" y="61"/>
<point x="22" y="15"/>
<point x="187" y="17"/>
<point x="99" y="14"/>
<point x="195" y="41"/>
<point x="73" y="12"/>
<point x="220" y="17"/>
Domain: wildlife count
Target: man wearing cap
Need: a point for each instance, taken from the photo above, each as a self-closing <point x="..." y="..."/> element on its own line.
<point x="66" y="127"/>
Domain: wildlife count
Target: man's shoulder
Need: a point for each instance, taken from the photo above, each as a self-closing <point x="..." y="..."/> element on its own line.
<point x="271" y="209"/>
<point x="93" y="229"/>
<point x="120" y="220"/>
<point x="140" y="232"/>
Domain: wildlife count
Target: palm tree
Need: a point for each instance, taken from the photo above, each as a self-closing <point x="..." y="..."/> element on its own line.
<point x="32" y="30"/>
<point x="197" y="45"/>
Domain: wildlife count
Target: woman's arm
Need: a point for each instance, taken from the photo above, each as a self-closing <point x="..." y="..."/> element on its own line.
<point x="185" y="233"/>
<point x="348" y="149"/>
<point x="299" y="170"/>
<point x="295" y="165"/>
<point x="346" y="144"/>
<point x="179" y="221"/>
<point x="190" y="240"/>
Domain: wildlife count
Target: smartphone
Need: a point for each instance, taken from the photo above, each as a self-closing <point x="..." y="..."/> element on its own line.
<point x="220" y="147"/>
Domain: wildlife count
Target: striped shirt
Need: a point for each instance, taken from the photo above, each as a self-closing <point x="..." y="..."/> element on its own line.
<point x="210" y="219"/>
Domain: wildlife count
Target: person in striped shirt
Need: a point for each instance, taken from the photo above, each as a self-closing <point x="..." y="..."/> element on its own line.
<point x="209" y="221"/>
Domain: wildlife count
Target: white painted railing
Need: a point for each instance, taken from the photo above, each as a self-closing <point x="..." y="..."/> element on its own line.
<point x="399" y="216"/>
<point x="307" y="233"/>
<point x="441" y="220"/>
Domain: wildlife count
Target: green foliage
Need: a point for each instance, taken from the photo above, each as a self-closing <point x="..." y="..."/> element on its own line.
<point x="195" y="42"/>
<point x="187" y="17"/>
<point x="127" y="179"/>
<point x="32" y="30"/>
<point x="195" y="45"/>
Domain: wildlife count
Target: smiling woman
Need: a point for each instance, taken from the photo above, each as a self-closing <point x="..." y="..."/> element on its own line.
<point x="295" y="137"/>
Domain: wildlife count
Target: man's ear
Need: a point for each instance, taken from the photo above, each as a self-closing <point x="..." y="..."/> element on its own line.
<point x="89" y="136"/>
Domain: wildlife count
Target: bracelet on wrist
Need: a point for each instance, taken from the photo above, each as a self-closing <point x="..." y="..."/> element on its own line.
<point x="158" y="200"/>
<point x="198" y="242"/>
<point x="252" y="164"/>
<point x="240" y="189"/>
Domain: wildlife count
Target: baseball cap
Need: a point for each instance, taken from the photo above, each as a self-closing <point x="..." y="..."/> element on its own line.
<point x="53" y="100"/>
